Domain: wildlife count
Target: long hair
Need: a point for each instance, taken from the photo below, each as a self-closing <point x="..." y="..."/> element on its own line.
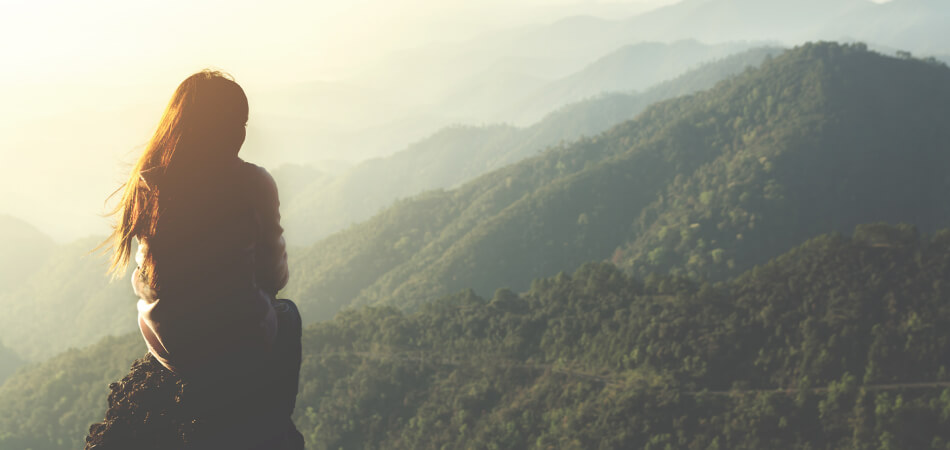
<point x="204" y="121"/>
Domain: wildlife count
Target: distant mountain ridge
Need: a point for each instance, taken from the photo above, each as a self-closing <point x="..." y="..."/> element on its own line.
<point x="629" y="68"/>
<point x="759" y="141"/>
<point x="65" y="301"/>
<point x="24" y="249"/>
<point x="9" y="362"/>
<point x="457" y="154"/>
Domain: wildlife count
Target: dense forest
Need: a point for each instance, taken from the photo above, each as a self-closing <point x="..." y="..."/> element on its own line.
<point x="842" y="342"/>
<point x="705" y="185"/>
<point x="829" y="346"/>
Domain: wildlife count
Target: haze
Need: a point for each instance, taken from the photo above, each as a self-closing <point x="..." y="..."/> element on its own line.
<point x="330" y="83"/>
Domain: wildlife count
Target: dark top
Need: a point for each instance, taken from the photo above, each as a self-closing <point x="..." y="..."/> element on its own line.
<point x="220" y="259"/>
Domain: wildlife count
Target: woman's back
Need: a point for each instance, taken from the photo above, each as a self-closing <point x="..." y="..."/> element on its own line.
<point x="219" y="258"/>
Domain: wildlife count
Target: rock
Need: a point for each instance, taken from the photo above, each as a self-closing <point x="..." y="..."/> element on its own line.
<point x="154" y="408"/>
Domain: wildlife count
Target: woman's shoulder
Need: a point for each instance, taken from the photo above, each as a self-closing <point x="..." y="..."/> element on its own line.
<point x="258" y="178"/>
<point x="255" y="174"/>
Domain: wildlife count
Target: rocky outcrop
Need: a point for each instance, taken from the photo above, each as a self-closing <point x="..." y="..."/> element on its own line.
<point x="154" y="408"/>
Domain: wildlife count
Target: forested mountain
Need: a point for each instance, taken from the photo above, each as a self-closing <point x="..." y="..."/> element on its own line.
<point x="54" y="296"/>
<point x="457" y="154"/>
<point x="840" y="343"/>
<point x="65" y="302"/>
<point x="24" y="249"/>
<point x="735" y="175"/>
<point x="51" y="404"/>
<point x="829" y="346"/>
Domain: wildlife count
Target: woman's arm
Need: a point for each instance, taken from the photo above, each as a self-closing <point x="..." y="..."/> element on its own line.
<point x="271" y="270"/>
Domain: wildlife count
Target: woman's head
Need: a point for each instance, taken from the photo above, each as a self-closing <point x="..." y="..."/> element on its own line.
<point x="204" y="119"/>
<point x="203" y="124"/>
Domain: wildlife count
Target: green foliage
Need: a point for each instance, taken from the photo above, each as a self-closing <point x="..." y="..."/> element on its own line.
<point x="796" y="149"/>
<point x="824" y="347"/>
<point x="50" y="405"/>
<point x="599" y="360"/>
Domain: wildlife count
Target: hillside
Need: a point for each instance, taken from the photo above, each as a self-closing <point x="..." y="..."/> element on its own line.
<point x="24" y="249"/>
<point x="823" y="347"/>
<point x="840" y="343"/>
<point x="67" y="301"/>
<point x="760" y="162"/>
<point x="522" y="100"/>
<point x="9" y="362"/>
<point x="457" y="154"/>
<point x="51" y="404"/>
<point x="632" y="67"/>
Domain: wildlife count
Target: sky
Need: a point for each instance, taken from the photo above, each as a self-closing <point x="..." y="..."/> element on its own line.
<point x="149" y="42"/>
<point x="84" y="83"/>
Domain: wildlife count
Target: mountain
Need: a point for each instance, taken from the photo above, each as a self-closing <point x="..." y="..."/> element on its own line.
<point x="9" y="363"/>
<point x="579" y="361"/>
<point x="51" y="404"/>
<point x="557" y="49"/>
<point x="747" y="204"/>
<point x="840" y="343"/>
<point x="630" y="68"/>
<point x="24" y="249"/>
<point x="68" y="301"/>
<point x="497" y="95"/>
<point x="457" y="154"/>
<point x="736" y="175"/>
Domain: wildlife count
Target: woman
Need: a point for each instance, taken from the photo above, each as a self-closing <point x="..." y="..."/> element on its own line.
<point x="211" y="254"/>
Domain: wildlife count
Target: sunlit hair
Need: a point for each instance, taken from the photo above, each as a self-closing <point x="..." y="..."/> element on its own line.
<point x="204" y="121"/>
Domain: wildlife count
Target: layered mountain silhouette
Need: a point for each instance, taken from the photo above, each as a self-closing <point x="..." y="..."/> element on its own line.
<point x="9" y="362"/>
<point x="457" y="154"/>
<point x="64" y="301"/>
<point x="633" y="67"/>
<point x="24" y="249"/>
<point x="749" y="168"/>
